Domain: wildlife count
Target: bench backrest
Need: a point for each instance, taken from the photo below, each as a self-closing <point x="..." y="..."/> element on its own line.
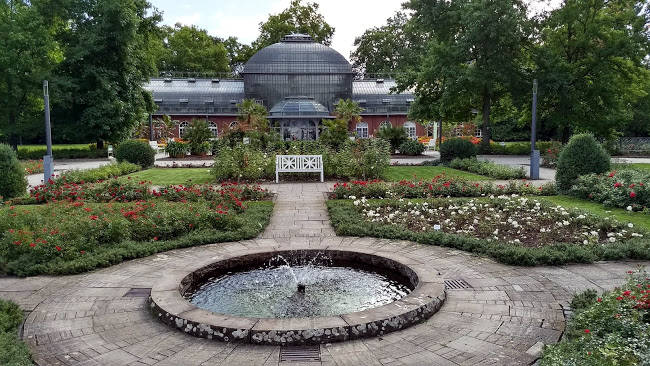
<point x="299" y="163"/>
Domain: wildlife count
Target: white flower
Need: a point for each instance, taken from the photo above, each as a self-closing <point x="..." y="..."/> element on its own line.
<point x="352" y="197"/>
<point x="611" y="240"/>
<point x="630" y="225"/>
<point x="629" y="208"/>
<point x="585" y="242"/>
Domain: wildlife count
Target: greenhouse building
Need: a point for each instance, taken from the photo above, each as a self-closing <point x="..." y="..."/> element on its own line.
<point x="298" y="80"/>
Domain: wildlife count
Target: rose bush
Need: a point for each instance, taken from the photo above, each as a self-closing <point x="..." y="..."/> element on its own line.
<point x="628" y="189"/>
<point x="487" y="168"/>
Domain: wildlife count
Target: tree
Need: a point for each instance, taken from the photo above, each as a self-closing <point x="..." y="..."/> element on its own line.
<point x="297" y="18"/>
<point x="238" y="53"/>
<point x="474" y="57"/>
<point x="386" y="49"/>
<point x="28" y="52"/>
<point x="348" y="111"/>
<point x="188" y="48"/>
<point x="107" y="60"/>
<point x="590" y="65"/>
<point x="252" y="115"/>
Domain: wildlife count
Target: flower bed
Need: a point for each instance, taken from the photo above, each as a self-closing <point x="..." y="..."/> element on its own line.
<point x="608" y="330"/>
<point x="629" y="189"/>
<point x="440" y="186"/>
<point x="97" y="174"/>
<point x="488" y="169"/>
<point x="32" y="166"/>
<point x="511" y="230"/>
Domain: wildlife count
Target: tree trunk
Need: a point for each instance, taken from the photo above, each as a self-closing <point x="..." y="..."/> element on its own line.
<point x="13" y="138"/>
<point x="100" y="144"/>
<point x="485" y="127"/>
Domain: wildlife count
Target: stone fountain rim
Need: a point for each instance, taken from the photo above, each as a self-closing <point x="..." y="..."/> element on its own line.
<point x="168" y="304"/>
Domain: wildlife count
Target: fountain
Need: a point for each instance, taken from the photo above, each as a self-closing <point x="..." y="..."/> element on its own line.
<point x="298" y="297"/>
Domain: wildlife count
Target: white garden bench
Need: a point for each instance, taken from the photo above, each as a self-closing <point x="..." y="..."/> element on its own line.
<point x="298" y="164"/>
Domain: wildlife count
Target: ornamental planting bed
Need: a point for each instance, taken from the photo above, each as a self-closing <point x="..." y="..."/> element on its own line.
<point x="70" y="228"/>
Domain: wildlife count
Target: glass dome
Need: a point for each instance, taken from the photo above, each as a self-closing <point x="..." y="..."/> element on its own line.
<point x="298" y="106"/>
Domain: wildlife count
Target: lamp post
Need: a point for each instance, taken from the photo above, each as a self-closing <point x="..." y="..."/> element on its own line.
<point x="534" y="153"/>
<point x="48" y="162"/>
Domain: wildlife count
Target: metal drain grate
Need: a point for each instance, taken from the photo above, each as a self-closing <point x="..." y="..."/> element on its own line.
<point x="300" y="354"/>
<point x="138" y="292"/>
<point x="456" y="284"/>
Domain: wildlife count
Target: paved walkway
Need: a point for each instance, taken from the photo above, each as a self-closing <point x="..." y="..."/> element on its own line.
<point x="503" y="319"/>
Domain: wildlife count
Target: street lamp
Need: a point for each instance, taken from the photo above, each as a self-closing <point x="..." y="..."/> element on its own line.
<point x="48" y="162"/>
<point x="534" y="153"/>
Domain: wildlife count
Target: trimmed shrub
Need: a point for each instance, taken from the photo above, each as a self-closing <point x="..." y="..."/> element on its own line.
<point x="12" y="178"/>
<point x="101" y="173"/>
<point x="13" y="351"/>
<point x="456" y="148"/>
<point x="518" y="148"/>
<point x="136" y="152"/>
<point x="76" y="151"/>
<point x="396" y="136"/>
<point x="582" y="155"/>
<point x="628" y="189"/>
<point x="411" y="147"/>
<point x="487" y="168"/>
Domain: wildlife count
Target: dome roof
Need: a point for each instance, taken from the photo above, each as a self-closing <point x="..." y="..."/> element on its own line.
<point x="298" y="106"/>
<point x="297" y="54"/>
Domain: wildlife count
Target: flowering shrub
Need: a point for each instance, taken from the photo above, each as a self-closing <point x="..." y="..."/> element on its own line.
<point x="629" y="189"/>
<point x="59" y="236"/>
<point x="119" y="190"/>
<point x="551" y="154"/>
<point x="32" y="166"/>
<point x="610" y="330"/>
<point x="487" y="168"/>
<point x="511" y="219"/>
<point x="440" y="186"/>
<point x="101" y="173"/>
<point x="411" y="147"/>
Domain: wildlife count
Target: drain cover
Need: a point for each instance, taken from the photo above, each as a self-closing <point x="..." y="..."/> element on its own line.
<point x="138" y="292"/>
<point x="456" y="284"/>
<point x="300" y="354"/>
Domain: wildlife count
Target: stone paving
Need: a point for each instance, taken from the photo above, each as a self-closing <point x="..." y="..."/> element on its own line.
<point x="504" y="318"/>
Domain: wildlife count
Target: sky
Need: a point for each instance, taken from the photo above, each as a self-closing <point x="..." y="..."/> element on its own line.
<point x="241" y="18"/>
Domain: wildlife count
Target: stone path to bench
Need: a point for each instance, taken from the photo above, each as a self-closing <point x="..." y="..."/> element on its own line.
<point x="503" y="318"/>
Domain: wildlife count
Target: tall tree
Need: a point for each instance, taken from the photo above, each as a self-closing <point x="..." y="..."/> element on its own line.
<point x="348" y="111"/>
<point x="474" y="57"/>
<point x="590" y="64"/>
<point x="252" y="116"/>
<point x="107" y="61"/>
<point x="386" y="49"/>
<point x="297" y="18"/>
<point x="188" y="48"/>
<point x="238" y="53"/>
<point x="28" y="52"/>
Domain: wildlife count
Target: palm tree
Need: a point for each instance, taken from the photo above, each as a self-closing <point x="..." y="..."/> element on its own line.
<point x="252" y="115"/>
<point x="348" y="110"/>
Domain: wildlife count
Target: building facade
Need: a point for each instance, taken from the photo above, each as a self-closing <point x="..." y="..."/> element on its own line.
<point x="299" y="81"/>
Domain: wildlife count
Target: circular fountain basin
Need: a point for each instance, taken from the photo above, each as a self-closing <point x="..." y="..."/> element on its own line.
<point x="254" y="297"/>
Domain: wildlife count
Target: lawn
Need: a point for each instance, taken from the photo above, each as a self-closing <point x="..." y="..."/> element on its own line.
<point x="397" y="173"/>
<point x="645" y="167"/>
<point x="595" y="208"/>
<point x="165" y="176"/>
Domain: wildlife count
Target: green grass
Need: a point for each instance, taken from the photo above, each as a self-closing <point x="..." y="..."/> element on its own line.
<point x="597" y="209"/>
<point x="165" y="176"/>
<point x="645" y="167"/>
<point x="397" y="173"/>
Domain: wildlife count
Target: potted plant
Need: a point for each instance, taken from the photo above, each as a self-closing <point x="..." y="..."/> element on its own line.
<point x="176" y="149"/>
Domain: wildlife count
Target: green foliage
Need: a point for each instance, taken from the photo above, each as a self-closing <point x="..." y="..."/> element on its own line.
<point x="584" y="299"/>
<point x="411" y="147"/>
<point x="12" y="179"/>
<point x="608" y="330"/>
<point x="199" y="135"/>
<point x="243" y="162"/>
<point x="347" y="221"/>
<point x="519" y="148"/>
<point x="591" y="67"/>
<point x="189" y="48"/>
<point x="363" y="158"/>
<point x="13" y="351"/>
<point x="582" y="155"/>
<point x="177" y="149"/>
<point x="28" y="53"/>
<point x="297" y="18"/>
<point x="628" y="188"/>
<point x="74" y="151"/>
<point x="396" y="136"/>
<point x="252" y="116"/>
<point x="335" y="132"/>
<point x="348" y="110"/>
<point x="136" y="152"/>
<point x="102" y="173"/>
<point x="487" y="168"/>
<point x="456" y="148"/>
<point x="84" y="236"/>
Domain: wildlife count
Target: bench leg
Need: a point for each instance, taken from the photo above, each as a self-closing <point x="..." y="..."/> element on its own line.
<point x="277" y="177"/>
<point x="321" y="177"/>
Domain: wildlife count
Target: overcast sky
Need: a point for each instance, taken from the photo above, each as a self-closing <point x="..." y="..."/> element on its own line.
<point x="241" y="18"/>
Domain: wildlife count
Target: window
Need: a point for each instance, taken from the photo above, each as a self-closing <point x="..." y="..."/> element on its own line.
<point x="182" y="128"/>
<point x="410" y="130"/>
<point x="385" y="124"/>
<point x="233" y="125"/>
<point x="362" y="130"/>
<point x="214" y="129"/>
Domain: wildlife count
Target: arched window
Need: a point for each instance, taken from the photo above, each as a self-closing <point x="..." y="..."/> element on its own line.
<point x="213" y="129"/>
<point x="182" y="128"/>
<point x="385" y="124"/>
<point x="362" y="130"/>
<point x="233" y="125"/>
<point x="411" y="130"/>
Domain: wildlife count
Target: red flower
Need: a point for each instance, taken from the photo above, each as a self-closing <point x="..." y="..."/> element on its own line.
<point x="612" y="173"/>
<point x="155" y="238"/>
<point x="617" y="184"/>
<point x="632" y="194"/>
<point x="94" y="217"/>
<point x="619" y="298"/>
<point x="600" y="299"/>
<point x="58" y="248"/>
<point x="587" y="331"/>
